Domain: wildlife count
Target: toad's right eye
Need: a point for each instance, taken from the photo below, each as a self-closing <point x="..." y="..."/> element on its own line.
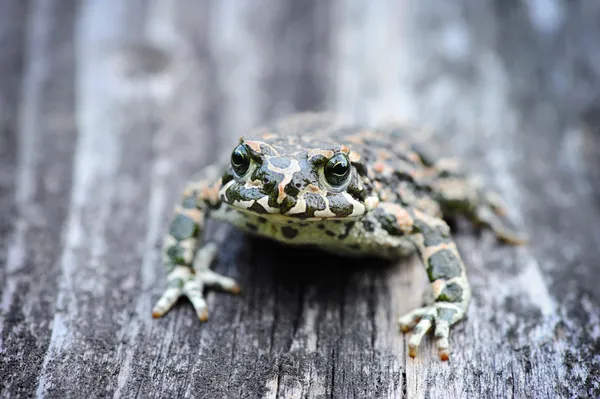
<point x="337" y="170"/>
<point x="240" y="160"/>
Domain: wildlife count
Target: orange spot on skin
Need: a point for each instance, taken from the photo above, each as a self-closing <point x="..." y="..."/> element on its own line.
<point x="255" y="183"/>
<point x="211" y="193"/>
<point x="281" y="191"/>
<point x="379" y="167"/>
<point x="325" y="153"/>
<point x="354" y="157"/>
<point x="236" y="289"/>
<point x="403" y="218"/>
<point x="384" y="195"/>
<point x="194" y="214"/>
<point x="255" y="145"/>
<point x="438" y="287"/>
<point x="413" y="157"/>
<point x="156" y="315"/>
<point x="268" y="136"/>
<point x="384" y="154"/>
<point x="345" y="149"/>
<point x="312" y="188"/>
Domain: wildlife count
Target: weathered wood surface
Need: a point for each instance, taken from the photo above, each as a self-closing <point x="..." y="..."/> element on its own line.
<point x="106" y="107"/>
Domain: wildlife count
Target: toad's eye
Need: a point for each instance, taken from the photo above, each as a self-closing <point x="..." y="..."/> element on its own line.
<point x="240" y="160"/>
<point x="337" y="170"/>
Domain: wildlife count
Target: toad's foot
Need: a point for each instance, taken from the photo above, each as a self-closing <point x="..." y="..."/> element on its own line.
<point x="184" y="281"/>
<point x="420" y="321"/>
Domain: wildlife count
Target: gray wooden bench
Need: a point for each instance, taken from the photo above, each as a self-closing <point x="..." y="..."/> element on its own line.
<point x="107" y="107"/>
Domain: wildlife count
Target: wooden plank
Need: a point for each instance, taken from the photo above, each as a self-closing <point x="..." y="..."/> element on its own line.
<point x="40" y="133"/>
<point x="113" y="117"/>
<point x="119" y="82"/>
<point x="512" y="330"/>
<point x="517" y="353"/>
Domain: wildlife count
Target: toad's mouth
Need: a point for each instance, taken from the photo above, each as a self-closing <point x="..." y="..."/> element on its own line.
<point x="284" y="218"/>
<point x="306" y="205"/>
<point x="301" y="210"/>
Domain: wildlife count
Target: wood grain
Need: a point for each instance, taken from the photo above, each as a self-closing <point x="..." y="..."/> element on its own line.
<point x="107" y="107"/>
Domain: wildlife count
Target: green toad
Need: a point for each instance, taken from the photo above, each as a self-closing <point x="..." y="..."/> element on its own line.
<point x="348" y="190"/>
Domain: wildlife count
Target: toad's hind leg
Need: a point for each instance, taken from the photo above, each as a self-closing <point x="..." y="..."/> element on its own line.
<point x="459" y="194"/>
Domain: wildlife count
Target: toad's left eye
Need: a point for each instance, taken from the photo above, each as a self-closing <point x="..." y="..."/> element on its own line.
<point x="240" y="160"/>
<point x="337" y="170"/>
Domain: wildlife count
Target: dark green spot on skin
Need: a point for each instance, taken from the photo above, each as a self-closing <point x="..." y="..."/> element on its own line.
<point x="451" y="293"/>
<point x="404" y="175"/>
<point x="321" y="226"/>
<point x="266" y="150"/>
<point x="388" y="222"/>
<point x="175" y="283"/>
<point x="291" y="189"/>
<point x="262" y="219"/>
<point x="368" y="225"/>
<point x="318" y="160"/>
<point x="289" y="232"/>
<point x="330" y="233"/>
<point x="347" y="228"/>
<point x="227" y="177"/>
<point x="314" y="203"/>
<point x="251" y="226"/>
<point x="257" y="208"/>
<point x="189" y="202"/>
<point x="175" y="253"/>
<point x="287" y="204"/>
<point x="361" y="168"/>
<point x="433" y="235"/>
<point x="183" y="227"/>
<point x="339" y="205"/>
<point x="238" y="192"/>
<point x="443" y="264"/>
<point x="270" y="180"/>
<point x="281" y="162"/>
<point x="354" y="189"/>
<point x="301" y="179"/>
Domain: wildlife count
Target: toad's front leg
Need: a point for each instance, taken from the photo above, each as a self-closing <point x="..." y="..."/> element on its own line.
<point x="446" y="272"/>
<point x="188" y="270"/>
